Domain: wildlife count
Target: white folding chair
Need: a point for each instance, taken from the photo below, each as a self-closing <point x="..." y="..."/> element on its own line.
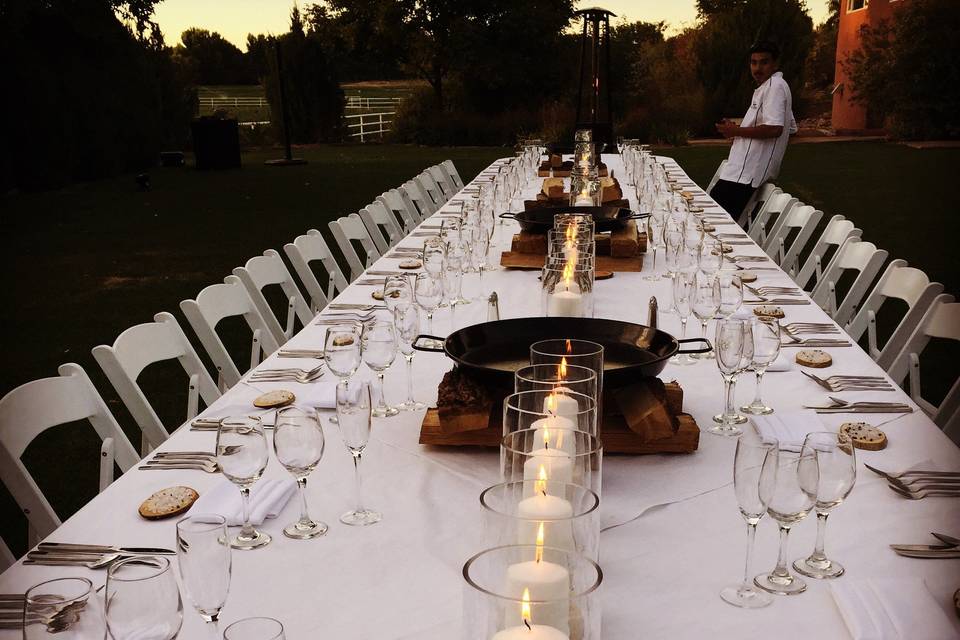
<point x="143" y="345"/>
<point x="716" y="175"/>
<point x="263" y="271"/>
<point x="398" y="207"/>
<point x="423" y="202"/>
<point x="6" y="556"/>
<point x="837" y="231"/>
<point x="347" y="230"/>
<point x="803" y="220"/>
<point x="381" y="225"/>
<point x="778" y="204"/>
<point x="760" y="196"/>
<point x="942" y="320"/>
<point x="307" y="249"/>
<point x="443" y="181"/>
<point x="904" y="283"/>
<point x="451" y="171"/>
<point x="429" y="185"/>
<point x="409" y="193"/>
<point x="34" y="407"/>
<point x="213" y="304"/>
<point x="863" y="257"/>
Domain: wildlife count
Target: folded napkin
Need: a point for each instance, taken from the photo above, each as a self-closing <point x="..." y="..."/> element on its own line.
<point x="789" y="427"/>
<point x="782" y="363"/>
<point x="890" y="609"/>
<point x="267" y="499"/>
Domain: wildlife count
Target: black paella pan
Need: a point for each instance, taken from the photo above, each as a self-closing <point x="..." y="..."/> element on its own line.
<point x="605" y="218"/>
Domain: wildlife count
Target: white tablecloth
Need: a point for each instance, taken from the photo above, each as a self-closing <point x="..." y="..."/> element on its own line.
<point x="672" y="533"/>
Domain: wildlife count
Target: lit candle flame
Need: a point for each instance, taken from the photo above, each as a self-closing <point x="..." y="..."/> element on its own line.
<point x="538" y="556"/>
<point x="567" y="275"/>
<point x="540" y="486"/>
<point x="562" y="370"/>
<point x="525" y="608"/>
<point x="569" y="347"/>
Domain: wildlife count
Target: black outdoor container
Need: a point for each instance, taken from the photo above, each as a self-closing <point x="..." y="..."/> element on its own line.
<point x="216" y="143"/>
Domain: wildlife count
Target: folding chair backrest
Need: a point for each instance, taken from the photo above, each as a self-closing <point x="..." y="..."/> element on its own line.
<point x="269" y="269"/>
<point x="6" y="556"/>
<point x="213" y="304"/>
<point x="451" y="171"/>
<point x="423" y="202"/>
<point x="834" y="235"/>
<point x="393" y="201"/>
<point x="771" y="215"/>
<point x="381" y="225"/>
<point x="350" y="228"/>
<point x="442" y="181"/>
<point x="429" y="185"/>
<point x="137" y="348"/>
<point x="307" y="249"/>
<point x="803" y="219"/>
<point x="410" y="194"/>
<point x="863" y="257"/>
<point x="716" y="175"/>
<point x="34" y="407"/>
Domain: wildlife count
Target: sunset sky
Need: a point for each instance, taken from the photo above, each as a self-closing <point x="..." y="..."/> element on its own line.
<point x="273" y="16"/>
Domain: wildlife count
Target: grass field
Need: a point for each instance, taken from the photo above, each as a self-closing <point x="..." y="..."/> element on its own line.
<point x="86" y="262"/>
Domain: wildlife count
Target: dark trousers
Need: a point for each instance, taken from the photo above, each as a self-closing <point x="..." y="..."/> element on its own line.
<point x="732" y="196"/>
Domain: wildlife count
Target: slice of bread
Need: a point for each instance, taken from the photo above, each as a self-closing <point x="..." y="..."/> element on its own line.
<point x="864" y="436"/>
<point x="814" y="358"/>
<point x="168" y="502"/>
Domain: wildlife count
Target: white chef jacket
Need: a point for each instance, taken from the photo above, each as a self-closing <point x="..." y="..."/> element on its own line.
<point x="755" y="160"/>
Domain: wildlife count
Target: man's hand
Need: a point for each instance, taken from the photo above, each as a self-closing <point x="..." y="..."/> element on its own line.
<point x="727" y="129"/>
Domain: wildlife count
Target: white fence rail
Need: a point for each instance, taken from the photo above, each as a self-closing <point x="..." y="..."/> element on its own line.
<point x="363" y="125"/>
<point x="220" y="102"/>
<point x="382" y="102"/>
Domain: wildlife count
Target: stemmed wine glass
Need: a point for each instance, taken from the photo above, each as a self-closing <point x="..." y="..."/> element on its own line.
<point x="379" y="348"/>
<point x="242" y="455"/>
<point x="766" y="349"/>
<point x="298" y="442"/>
<point x="341" y="352"/>
<point x="683" y="290"/>
<point x="142" y="599"/>
<point x="710" y="257"/>
<point x="754" y="477"/>
<point x="354" y="413"/>
<point x="730" y="346"/>
<point x="428" y="293"/>
<point x="396" y="291"/>
<point x="655" y="241"/>
<point x="731" y="294"/>
<point x="406" y="319"/>
<point x="434" y="254"/>
<point x="837" y="465"/>
<point x="794" y="494"/>
<point x="203" y="553"/>
<point x="706" y="302"/>
<point x="458" y="259"/>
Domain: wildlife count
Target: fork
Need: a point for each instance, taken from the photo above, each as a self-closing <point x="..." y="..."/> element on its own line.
<point x="928" y="482"/>
<point x="835" y="383"/>
<point x="766" y="291"/>
<point x="292" y="376"/>
<point x="794" y="341"/>
<point x="798" y="331"/>
<point x="912" y="472"/>
<point x="921" y="494"/>
<point x="825" y="326"/>
<point x="341" y="306"/>
<point x="155" y="465"/>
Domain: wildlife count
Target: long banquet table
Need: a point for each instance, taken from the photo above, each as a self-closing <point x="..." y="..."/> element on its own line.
<point x="672" y="534"/>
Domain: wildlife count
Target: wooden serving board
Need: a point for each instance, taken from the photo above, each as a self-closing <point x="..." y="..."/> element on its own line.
<point x="514" y="260"/>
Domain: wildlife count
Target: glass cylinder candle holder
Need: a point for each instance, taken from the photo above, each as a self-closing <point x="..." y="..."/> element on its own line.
<point x="582" y="261"/>
<point x="566" y="519"/>
<point x="552" y="411"/>
<point x="582" y="220"/>
<point x="520" y="592"/>
<point x="585" y="188"/>
<point x="523" y="457"/>
<point x="550" y="377"/>
<point x="567" y="290"/>
<point x="583" y="353"/>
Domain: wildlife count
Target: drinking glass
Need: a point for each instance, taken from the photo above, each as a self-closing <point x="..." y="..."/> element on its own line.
<point x="353" y="411"/>
<point x="729" y="346"/>
<point x="673" y="241"/>
<point x="655" y="241"/>
<point x="837" y="465"/>
<point x="379" y="348"/>
<point x="406" y="319"/>
<point x="254" y="629"/>
<point x="766" y="349"/>
<point x="298" y="442"/>
<point x="731" y="294"/>
<point x="143" y="601"/>
<point x="396" y="291"/>
<point x="754" y="476"/>
<point x="434" y="251"/>
<point x="428" y="293"/>
<point x="458" y="258"/>
<point x="341" y="352"/>
<point x="706" y="302"/>
<point x="243" y="455"/>
<point x="67" y="607"/>
<point x="794" y="494"/>
<point x="683" y="289"/>
<point x="710" y="258"/>
<point x="203" y="553"/>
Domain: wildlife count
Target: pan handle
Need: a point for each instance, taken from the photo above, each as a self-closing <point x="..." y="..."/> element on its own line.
<point x="705" y="349"/>
<point x="636" y="216"/>
<point x="509" y="216"/>
<point x="434" y="339"/>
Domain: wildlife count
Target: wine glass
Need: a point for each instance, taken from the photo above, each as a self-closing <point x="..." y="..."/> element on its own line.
<point x="354" y="413"/>
<point x="458" y="259"/>
<point x="428" y="293"/>
<point x="673" y="241"/>
<point x="406" y="319"/>
<point x="731" y="294"/>
<point x="341" y="352"/>
<point x="396" y="291"/>
<point x="379" y="348"/>
<point x="794" y="494"/>
<point x="143" y="601"/>
<point x="754" y="476"/>
<point x="298" y="442"/>
<point x="729" y="346"/>
<point x="203" y="553"/>
<point x="683" y="290"/>
<point x="434" y="250"/>
<point x="706" y="302"/>
<point x="710" y="257"/>
<point x="68" y="607"/>
<point x="242" y="455"/>
<point x="655" y="241"/>
<point x="254" y="629"/>
<point x="766" y="349"/>
<point x="837" y="465"/>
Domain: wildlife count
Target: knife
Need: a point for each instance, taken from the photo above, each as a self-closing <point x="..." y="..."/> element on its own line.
<point x="947" y="553"/>
<point x="65" y="547"/>
<point x="954" y="542"/>
<point x="923" y="547"/>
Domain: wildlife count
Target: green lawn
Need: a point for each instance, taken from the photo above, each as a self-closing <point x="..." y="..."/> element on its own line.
<point x="86" y="262"/>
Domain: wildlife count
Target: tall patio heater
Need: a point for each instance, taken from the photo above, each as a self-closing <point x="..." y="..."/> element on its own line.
<point x="593" y="91"/>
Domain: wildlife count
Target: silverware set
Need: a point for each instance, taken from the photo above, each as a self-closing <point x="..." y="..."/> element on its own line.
<point x="346" y="318"/>
<point x="344" y="306"/>
<point x="189" y="460"/>
<point x="57" y="617"/>
<point x="917" y="484"/>
<point x="788" y="302"/>
<point x="843" y="406"/>
<point x="949" y="547"/>
<point x="773" y="291"/>
<point x="794" y="341"/>
<point x="803" y="328"/>
<point x="300" y="353"/>
<point x="292" y="374"/>
<point x="838" y="383"/>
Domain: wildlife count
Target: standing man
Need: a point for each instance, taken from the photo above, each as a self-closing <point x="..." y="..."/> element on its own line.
<point x="760" y="140"/>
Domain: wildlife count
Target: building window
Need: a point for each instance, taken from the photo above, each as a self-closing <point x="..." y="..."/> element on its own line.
<point x="856" y="5"/>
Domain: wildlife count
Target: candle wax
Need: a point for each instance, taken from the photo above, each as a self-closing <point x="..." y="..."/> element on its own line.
<point x="535" y="632"/>
<point x="554" y="513"/>
<point x="547" y="581"/>
<point x="557" y="464"/>
<point x="563" y="405"/>
<point x="555" y="432"/>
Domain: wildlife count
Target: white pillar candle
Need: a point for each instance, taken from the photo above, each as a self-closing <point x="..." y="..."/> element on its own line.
<point x="554" y="432"/>
<point x="553" y="513"/>
<point x="555" y="464"/>
<point x="583" y="200"/>
<point x="545" y="581"/>
<point x="559" y="403"/>
<point x="535" y="632"/>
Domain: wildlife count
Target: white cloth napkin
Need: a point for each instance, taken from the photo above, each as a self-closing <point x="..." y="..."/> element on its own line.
<point x="890" y="609"/>
<point x="783" y="363"/>
<point x="267" y="499"/>
<point x="789" y="428"/>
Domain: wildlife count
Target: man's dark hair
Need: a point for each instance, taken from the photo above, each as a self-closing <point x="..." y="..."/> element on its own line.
<point x="765" y="46"/>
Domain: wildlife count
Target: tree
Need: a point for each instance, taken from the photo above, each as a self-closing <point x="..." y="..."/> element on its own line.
<point x="822" y="61"/>
<point x="214" y="59"/>
<point x="906" y="69"/>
